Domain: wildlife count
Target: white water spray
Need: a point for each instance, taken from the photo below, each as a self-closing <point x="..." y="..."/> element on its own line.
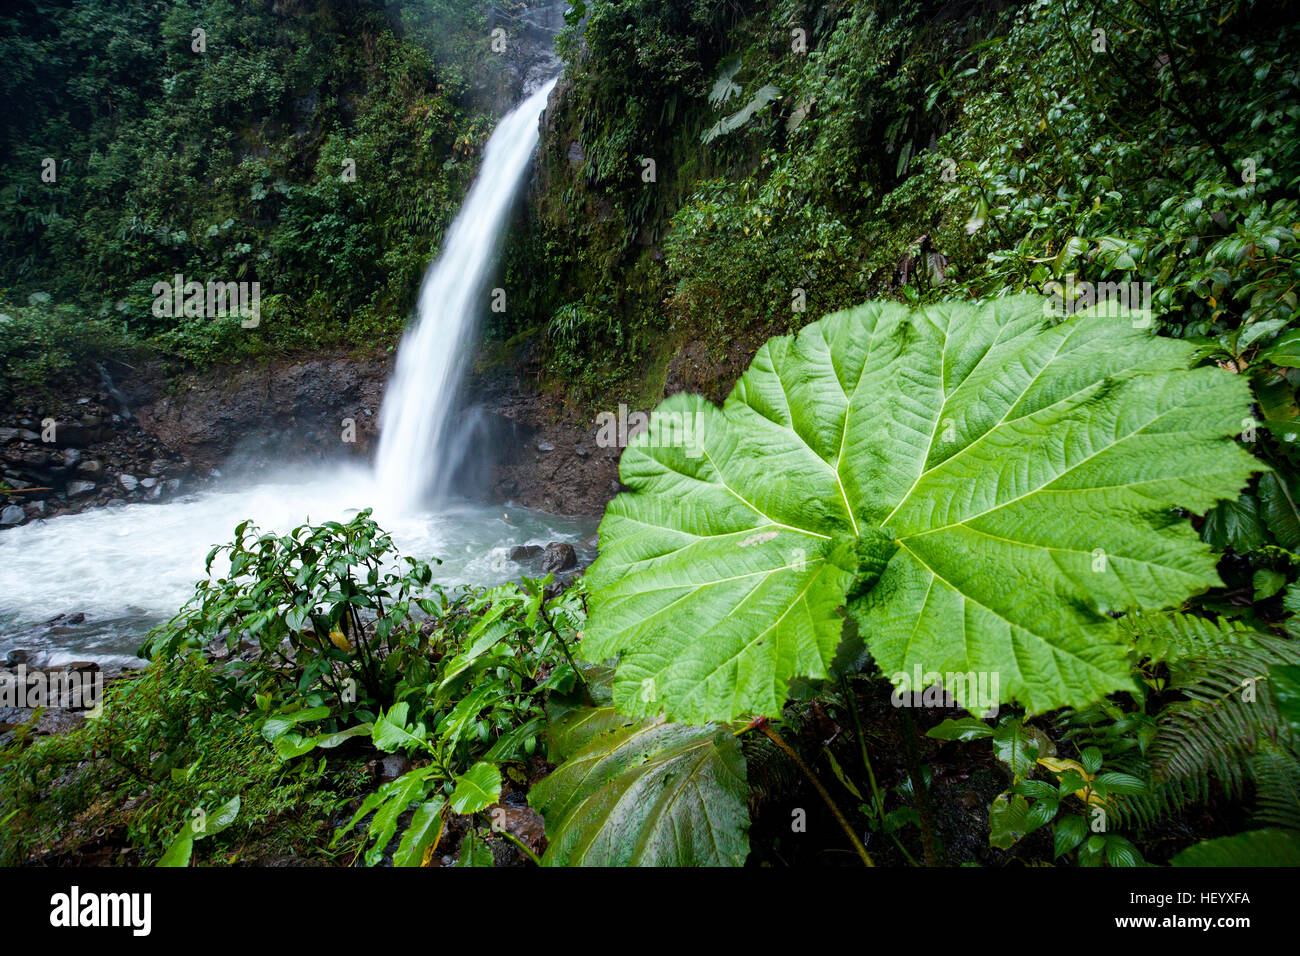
<point x="414" y="437"/>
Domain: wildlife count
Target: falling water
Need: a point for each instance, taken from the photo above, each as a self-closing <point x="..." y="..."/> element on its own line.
<point x="88" y="586"/>
<point x="414" y="434"/>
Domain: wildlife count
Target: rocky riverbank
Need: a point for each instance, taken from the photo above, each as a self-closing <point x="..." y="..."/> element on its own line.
<point x="83" y="450"/>
<point x="91" y="442"/>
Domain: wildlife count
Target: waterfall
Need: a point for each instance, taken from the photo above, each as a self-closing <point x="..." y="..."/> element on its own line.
<point x="415" y="431"/>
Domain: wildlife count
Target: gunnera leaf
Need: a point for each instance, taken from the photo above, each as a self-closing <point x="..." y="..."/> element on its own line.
<point x="980" y="486"/>
<point x="643" y="793"/>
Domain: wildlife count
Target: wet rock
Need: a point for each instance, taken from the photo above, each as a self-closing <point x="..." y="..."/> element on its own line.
<point x="524" y="552"/>
<point x="523" y="822"/>
<point x="90" y="467"/>
<point x="117" y="503"/>
<point x="147" y="483"/>
<point x="11" y="515"/>
<point x="129" y="482"/>
<point x="559" y="557"/>
<point x="391" y="767"/>
<point x="71" y="456"/>
<point x="17" y="656"/>
<point x="545" y="446"/>
<point x="7" y="435"/>
<point x="78" y="488"/>
<point x="34" y="509"/>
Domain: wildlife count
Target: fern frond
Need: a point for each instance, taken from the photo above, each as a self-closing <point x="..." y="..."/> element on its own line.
<point x="1277" y="789"/>
<point x="1228" y="717"/>
<point x="1172" y="636"/>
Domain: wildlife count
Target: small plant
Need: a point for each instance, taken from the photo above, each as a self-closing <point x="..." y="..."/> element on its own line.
<point x="330" y="609"/>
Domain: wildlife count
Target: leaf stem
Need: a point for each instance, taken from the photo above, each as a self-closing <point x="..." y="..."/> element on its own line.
<point x="773" y="736"/>
<point x="521" y="845"/>
<point x="847" y="690"/>
<point x="924" y="811"/>
<point x="541" y="609"/>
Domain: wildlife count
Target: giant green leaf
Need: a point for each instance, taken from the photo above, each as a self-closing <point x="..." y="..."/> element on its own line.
<point x="980" y="486"/>
<point x="643" y="793"/>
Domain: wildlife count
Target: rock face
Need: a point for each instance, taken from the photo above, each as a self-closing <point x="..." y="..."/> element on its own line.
<point x="323" y="408"/>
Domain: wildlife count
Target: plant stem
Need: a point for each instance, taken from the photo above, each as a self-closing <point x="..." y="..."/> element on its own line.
<point x="773" y="736"/>
<point x="541" y="609"/>
<point x="521" y="845"/>
<point x="847" y="690"/>
<point x="924" y="811"/>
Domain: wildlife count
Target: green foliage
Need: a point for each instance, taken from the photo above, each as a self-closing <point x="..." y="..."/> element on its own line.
<point x="456" y="683"/>
<point x="1228" y="726"/>
<point x="324" y="599"/>
<point x="643" y="793"/>
<point x="200" y="827"/>
<point x="233" y="164"/>
<point x="936" y="467"/>
<point x="40" y="341"/>
<point x="164" y="750"/>
<point x="1074" y="802"/>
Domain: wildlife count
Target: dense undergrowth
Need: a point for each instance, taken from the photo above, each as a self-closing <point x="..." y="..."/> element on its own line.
<point x="273" y="694"/>
<point x="317" y="149"/>
<point x="1089" y="502"/>
<point x="809" y="156"/>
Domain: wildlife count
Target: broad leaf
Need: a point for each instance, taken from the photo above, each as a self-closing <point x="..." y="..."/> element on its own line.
<point x="960" y="728"/>
<point x="476" y="789"/>
<point x="181" y="849"/>
<point x="424" y="832"/>
<point x="644" y="793"/>
<point x="391" y="733"/>
<point x="978" y="486"/>
<point x="474" y="852"/>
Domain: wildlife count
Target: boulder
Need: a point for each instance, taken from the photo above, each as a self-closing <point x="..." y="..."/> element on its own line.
<point x="78" y="488"/>
<point x="524" y="552"/>
<point x="12" y="514"/>
<point x="559" y="557"/>
<point x="129" y="482"/>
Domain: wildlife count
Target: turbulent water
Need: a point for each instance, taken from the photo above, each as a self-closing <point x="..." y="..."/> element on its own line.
<point x="415" y="436"/>
<point x="129" y="568"/>
<point x="90" y="585"/>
